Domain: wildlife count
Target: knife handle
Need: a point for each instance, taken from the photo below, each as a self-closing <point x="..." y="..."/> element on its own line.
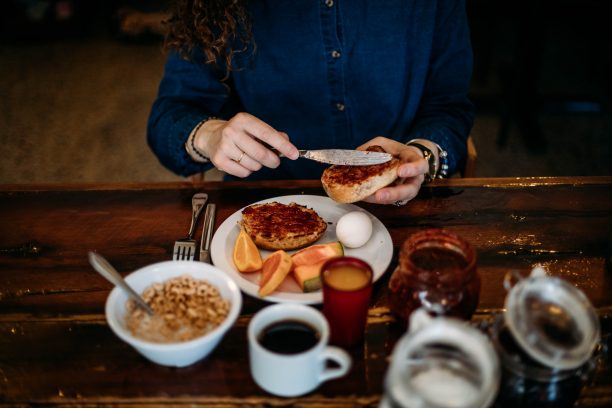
<point x="209" y="221"/>
<point x="301" y="152"/>
<point x="279" y="154"/>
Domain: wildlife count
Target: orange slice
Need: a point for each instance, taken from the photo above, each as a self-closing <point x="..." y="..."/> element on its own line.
<point x="246" y="255"/>
<point x="276" y="267"/>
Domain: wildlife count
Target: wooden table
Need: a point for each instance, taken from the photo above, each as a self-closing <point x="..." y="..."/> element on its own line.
<point x="56" y="348"/>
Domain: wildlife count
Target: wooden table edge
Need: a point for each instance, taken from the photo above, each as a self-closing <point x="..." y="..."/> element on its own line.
<point x="452" y="182"/>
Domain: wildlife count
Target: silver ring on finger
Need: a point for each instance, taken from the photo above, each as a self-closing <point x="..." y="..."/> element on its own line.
<point x="400" y="203"/>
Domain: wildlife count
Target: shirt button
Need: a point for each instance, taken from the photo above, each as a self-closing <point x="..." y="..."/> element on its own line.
<point x="329" y="3"/>
<point x="340" y="107"/>
<point x="336" y="54"/>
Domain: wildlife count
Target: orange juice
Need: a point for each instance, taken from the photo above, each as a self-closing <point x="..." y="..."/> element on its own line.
<point x="347" y="277"/>
<point x="347" y="288"/>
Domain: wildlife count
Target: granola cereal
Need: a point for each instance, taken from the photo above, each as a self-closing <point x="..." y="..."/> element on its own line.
<point x="185" y="308"/>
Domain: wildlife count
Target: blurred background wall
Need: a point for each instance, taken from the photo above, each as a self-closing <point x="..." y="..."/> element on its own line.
<point x="77" y="79"/>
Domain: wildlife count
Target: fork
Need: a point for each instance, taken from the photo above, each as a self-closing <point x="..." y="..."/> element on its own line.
<point x="184" y="249"/>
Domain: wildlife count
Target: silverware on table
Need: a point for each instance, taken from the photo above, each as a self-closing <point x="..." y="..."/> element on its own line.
<point x="184" y="249"/>
<point x="209" y="223"/>
<point x="104" y="268"/>
<point x="345" y="157"/>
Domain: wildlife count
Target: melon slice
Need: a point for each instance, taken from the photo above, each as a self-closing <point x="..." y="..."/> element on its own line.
<point x="246" y="255"/>
<point x="309" y="276"/>
<point x="317" y="253"/>
<point x="275" y="269"/>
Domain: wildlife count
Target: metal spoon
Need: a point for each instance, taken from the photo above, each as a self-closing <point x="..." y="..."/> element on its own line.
<point x="105" y="269"/>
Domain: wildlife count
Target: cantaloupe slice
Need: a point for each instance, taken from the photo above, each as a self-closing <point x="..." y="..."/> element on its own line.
<point x="275" y="269"/>
<point x="246" y="255"/>
<point x="317" y="253"/>
<point x="308" y="276"/>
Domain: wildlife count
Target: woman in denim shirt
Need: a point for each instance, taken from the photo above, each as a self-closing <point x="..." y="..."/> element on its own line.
<point x="241" y="77"/>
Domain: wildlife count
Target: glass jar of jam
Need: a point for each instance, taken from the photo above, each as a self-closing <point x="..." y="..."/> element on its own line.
<point x="546" y="341"/>
<point x="437" y="271"/>
<point x="441" y="362"/>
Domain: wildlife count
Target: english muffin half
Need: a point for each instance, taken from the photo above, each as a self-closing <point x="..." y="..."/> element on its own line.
<point x="349" y="184"/>
<point x="275" y="226"/>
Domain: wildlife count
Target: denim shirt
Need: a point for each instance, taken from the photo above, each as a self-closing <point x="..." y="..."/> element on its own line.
<point x="329" y="74"/>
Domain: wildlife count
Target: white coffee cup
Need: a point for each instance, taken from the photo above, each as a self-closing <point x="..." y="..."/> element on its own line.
<point x="290" y="375"/>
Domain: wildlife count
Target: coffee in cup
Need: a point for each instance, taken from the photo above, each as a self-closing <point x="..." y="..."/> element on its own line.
<point x="288" y="350"/>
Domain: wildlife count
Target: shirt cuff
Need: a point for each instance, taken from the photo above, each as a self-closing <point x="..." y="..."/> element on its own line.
<point x="182" y="129"/>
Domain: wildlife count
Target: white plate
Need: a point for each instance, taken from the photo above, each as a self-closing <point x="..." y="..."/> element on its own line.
<point x="378" y="251"/>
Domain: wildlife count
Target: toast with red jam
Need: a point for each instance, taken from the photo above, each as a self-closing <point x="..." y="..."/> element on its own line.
<point x="349" y="184"/>
<point x="275" y="226"/>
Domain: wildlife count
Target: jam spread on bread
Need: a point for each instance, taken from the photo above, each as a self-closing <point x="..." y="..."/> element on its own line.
<point x="356" y="174"/>
<point x="348" y="184"/>
<point x="282" y="226"/>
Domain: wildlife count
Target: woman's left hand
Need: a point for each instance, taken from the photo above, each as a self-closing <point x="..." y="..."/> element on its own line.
<point x="411" y="172"/>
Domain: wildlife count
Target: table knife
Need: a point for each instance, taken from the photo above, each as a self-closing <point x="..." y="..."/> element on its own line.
<point x="209" y="223"/>
<point x="345" y="157"/>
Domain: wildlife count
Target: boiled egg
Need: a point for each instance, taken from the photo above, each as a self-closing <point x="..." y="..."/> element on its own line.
<point x="354" y="229"/>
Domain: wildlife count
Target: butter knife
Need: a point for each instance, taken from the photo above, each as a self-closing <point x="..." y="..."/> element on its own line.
<point x="209" y="222"/>
<point x="345" y="157"/>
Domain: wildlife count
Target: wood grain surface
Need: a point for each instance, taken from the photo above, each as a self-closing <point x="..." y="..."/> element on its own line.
<point x="56" y="348"/>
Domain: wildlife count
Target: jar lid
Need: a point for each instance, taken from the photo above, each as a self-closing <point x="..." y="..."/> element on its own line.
<point x="442" y="362"/>
<point x="551" y="320"/>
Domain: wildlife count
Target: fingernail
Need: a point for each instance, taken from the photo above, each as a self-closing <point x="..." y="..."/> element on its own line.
<point x="404" y="172"/>
<point x="384" y="196"/>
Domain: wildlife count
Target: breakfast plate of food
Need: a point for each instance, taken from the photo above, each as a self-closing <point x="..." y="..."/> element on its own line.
<point x="291" y="237"/>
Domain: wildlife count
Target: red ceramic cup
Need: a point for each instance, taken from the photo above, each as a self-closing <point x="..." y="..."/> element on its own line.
<point x="347" y="288"/>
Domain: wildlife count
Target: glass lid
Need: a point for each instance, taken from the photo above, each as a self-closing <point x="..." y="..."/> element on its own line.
<point x="552" y="320"/>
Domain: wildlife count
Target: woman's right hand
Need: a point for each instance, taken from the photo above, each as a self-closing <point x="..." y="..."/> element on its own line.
<point x="235" y="146"/>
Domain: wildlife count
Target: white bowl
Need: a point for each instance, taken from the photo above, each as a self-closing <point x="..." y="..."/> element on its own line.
<point x="178" y="354"/>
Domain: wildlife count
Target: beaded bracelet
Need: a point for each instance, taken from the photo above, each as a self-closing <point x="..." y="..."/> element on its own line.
<point x="190" y="146"/>
<point x="443" y="159"/>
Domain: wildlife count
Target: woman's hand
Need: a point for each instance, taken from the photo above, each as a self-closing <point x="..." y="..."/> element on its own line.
<point x="411" y="172"/>
<point x="235" y="146"/>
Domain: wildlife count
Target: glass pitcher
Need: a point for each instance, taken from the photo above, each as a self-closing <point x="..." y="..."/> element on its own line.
<point x="441" y="362"/>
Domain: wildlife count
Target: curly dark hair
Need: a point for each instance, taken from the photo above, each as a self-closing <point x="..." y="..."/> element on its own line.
<point x="221" y="28"/>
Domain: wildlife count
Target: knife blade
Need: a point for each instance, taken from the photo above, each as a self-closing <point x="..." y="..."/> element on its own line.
<point x="346" y="157"/>
<point x="209" y="222"/>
